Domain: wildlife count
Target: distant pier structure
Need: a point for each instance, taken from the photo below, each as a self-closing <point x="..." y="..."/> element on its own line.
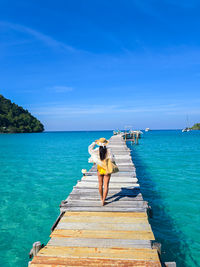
<point x="129" y="134"/>
<point x="117" y="234"/>
<point x="132" y="136"/>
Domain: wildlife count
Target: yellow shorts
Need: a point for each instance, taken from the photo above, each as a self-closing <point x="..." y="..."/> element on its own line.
<point x="101" y="170"/>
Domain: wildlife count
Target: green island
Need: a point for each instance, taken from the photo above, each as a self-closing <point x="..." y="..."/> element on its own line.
<point x="196" y="126"/>
<point x="15" y="119"/>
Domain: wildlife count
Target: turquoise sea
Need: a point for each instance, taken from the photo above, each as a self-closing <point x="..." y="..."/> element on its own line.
<point x="37" y="171"/>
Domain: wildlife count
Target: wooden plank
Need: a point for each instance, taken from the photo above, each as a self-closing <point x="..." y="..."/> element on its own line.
<point x="106" y="208"/>
<point x="112" y="191"/>
<point x="46" y="261"/>
<point x="112" y="185"/>
<point x="106" y="253"/>
<point x="120" y="177"/>
<point x="101" y="243"/>
<point x="121" y="156"/>
<point x="105" y="219"/>
<point x="128" y="161"/>
<point x="119" y="151"/>
<point x="122" y="169"/>
<point x="93" y="203"/>
<point x="114" y="176"/>
<point x="113" y="180"/>
<point x="101" y="226"/>
<point x="115" y="189"/>
<point x="85" y="196"/>
<point x="124" y="215"/>
<point x="124" y="173"/>
<point x="118" y="146"/>
<point x="124" y="164"/>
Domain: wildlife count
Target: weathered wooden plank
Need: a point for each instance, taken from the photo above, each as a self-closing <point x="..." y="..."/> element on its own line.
<point x="121" y="156"/>
<point x="85" y="196"/>
<point x="124" y="164"/>
<point x="119" y="159"/>
<point x="113" y="177"/>
<point x="124" y="173"/>
<point x="120" y="152"/>
<point x="101" y="226"/>
<point x="97" y="242"/>
<point x="119" y="175"/>
<point x="109" y="253"/>
<point x="128" y="191"/>
<point x="105" y="219"/>
<point x="131" y="174"/>
<point x="107" y="208"/>
<point x="122" y="168"/>
<point x="93" y="203"/>
<point x="113" y="180"/>
<point x="46" y="261"/>
<point x="124" y="215"/>
<point x="112" y="185"/>
<point x="112" y="191"/>
<point x="119" y="146"/>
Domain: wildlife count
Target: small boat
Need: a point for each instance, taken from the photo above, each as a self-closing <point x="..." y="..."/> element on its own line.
<point x="186" y="130"/>
<point x="147" y="129"/>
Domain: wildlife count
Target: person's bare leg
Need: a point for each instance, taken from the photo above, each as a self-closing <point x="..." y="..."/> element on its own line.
<point x="106" y="186"/>
<point x="100" y="178"/>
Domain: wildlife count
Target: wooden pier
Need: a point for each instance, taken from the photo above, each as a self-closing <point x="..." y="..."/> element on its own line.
<point x="117" y="234"/>
<point x="132" y="136"/>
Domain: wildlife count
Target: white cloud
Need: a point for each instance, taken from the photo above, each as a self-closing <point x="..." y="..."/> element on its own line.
<point x="49" y="41"/>
<point x="64" y="111"/>
<point x="61" y="89"/>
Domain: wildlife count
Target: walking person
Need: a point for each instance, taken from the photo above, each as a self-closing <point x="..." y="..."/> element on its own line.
<point x="104" y="160"/>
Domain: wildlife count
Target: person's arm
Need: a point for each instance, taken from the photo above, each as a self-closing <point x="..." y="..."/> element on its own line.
<point x="91" y="148"/>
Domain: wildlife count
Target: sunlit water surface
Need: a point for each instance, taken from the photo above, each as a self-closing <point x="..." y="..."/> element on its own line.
<point x="37" y="171"/>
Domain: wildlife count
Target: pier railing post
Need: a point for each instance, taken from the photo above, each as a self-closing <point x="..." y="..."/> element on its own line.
<point x="35" y="249"/>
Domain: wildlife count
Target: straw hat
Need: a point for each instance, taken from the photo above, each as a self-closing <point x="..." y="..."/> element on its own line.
<point x="102" y="142"/>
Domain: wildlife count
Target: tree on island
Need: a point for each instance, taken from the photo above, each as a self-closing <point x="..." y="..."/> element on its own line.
<point x="15" y="119"/>
<point x="196" y="126"/>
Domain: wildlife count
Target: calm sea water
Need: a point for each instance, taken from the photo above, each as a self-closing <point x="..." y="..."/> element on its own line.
<point x="37" y="171"/>
<point x="168" y="169"/>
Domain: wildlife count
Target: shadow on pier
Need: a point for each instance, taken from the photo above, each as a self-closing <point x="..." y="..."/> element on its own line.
<point x="125" y="192"/>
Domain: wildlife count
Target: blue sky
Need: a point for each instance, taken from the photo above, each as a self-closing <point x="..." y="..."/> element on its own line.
<point x="92" y="65"/>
